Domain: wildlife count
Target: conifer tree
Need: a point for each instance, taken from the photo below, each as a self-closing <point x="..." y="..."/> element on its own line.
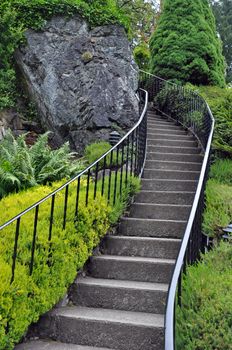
<point x="185" y="46"/>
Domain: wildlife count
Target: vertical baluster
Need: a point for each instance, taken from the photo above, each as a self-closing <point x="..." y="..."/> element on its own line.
<point x="65" y="206"/>
<point x="127" y="159"/>
<point x="51" y="218"/>
<point x="95" y="182"/>
<point x="34" y="239"/>
<point x="87" y="189"/>
<point x="15" y="250"/>
<point x="116" y="176"/>
<point x="136" y="152"/>
<point x="110" y="174"/>
<point x="122" y="164"/>
<point x="179" y="289"/>
<point x="132" y="153"/>
<point x="103" y="177"/>
<point x="77" y="196"/>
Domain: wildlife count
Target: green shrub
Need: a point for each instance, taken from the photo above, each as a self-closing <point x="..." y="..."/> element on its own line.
<point x="22" y="166"/>
<point x="204" y="321"/>
<point x="221" y="171"/>
<point x="23" y="301"/>
<point x="218" y="212"/>
<point x="220" y="102"/>
<point x="95" y="150"/>
<point x="177" y="103"/>
<point x="142" y="56"/>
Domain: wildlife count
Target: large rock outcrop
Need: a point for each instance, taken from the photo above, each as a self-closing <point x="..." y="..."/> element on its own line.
<point x="83" y="80"/>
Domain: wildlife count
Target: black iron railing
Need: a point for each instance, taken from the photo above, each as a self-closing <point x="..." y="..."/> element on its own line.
<point x="189" y="109"/>
<point x="109" y="175"/>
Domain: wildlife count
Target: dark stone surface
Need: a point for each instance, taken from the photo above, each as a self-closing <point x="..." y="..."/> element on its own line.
<point x="83" y="81"/>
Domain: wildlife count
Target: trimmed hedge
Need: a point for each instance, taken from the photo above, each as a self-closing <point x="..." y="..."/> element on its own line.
<point x="204" y="321"/>
<point x="23" y="301"/>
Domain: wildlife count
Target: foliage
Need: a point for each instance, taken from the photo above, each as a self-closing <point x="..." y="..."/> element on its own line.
<point x="221" y="171"/>
<point x="218" y="212"/>
<point x="220" y="102"/>
<point x="22" y="166"/>
<point x="205" y="318"/>
<point x="95" y="150"/>
<point x="142" y="56"/>
<point x="223" y="13"/>
<point x="177" y="104"/>
<point x="23" y="301"/>
<point x="185" y="46"/>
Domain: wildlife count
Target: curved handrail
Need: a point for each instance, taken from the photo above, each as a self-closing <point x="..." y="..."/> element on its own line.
<point x="156" y="85"/>
<point x="127" y="158"/>
<point x="170" y="308"/>
<point x="86" y="169"/>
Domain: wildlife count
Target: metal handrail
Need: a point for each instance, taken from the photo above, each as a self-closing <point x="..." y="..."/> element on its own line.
<point x="132" y="148"/>
<point x="193" y="241"/>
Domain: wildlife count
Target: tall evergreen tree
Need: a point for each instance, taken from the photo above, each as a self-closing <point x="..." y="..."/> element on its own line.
<point x="223" y="13"/>
<point x="185" y="46"/>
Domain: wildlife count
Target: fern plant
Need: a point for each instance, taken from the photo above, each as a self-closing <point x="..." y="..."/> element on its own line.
<point x="22" y="167"/>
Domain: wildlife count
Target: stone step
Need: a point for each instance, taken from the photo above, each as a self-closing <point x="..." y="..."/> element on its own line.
<point x="173" y="149"/>
<point x="165" y="130"/>
<point x="170" y="174"/>
<point x="141" y="246"/>
<point x="169" y="136"/>
<point x="53" y="345"/>
<point x="172" y="165"/>
<point x="119" y="295"/>
<point x="170" y="143"/>
<point x="131" y="268"/>
<point x="168" y="185"/>
<point x="163" y="125"/>
<point x="168" y="197"/>
<point x="152" y="228"/>
<point x="160" y="211"/>
<point x="113" y="329"/>
<point x="176" y="157"/>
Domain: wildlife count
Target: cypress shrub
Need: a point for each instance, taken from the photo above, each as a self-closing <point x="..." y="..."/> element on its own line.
<point x="185" y="46"/>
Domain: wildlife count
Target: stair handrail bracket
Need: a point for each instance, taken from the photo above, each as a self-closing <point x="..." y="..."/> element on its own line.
<point x="123" y="161"/>
<point x="193" y="242"/>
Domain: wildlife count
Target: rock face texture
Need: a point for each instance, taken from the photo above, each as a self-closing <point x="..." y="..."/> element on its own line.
<point x="83" y="80"/>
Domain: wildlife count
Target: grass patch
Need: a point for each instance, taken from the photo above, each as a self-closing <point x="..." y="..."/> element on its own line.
<point x="205" y="320"/>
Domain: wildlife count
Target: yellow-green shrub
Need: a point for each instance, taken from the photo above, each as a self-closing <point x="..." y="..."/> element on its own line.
<point x="56" y="262"/>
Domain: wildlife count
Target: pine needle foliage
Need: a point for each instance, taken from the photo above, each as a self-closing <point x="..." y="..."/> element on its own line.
<point x="185" y="46"/>
<point x="22" y="166"/>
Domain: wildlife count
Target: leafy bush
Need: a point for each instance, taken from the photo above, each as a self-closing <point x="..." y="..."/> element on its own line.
<point x="95" y="150"/>
<point x="22" y="166"/>
<point x="142" y="56"/>
<point x="221" y="171"/>
<point x="205" y="319"/>
<point x="220" y="102"/>
<point x="218" y="212"/>
<point x="177" y="103"/>
<point x="23" y="301"/>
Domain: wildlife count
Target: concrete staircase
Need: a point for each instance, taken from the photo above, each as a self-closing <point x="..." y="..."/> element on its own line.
<point x="120" y="303"/>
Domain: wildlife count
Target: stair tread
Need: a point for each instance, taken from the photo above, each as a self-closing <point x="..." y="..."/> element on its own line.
<point x="152" y="220"/>
<point x="110" y="315"/>
<point x="152" y="239"/>
<point x="123" y="284"/>
<point x="107" y="257"/>
<point x="54" y="345"/>
<point x="162" y="205"/>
